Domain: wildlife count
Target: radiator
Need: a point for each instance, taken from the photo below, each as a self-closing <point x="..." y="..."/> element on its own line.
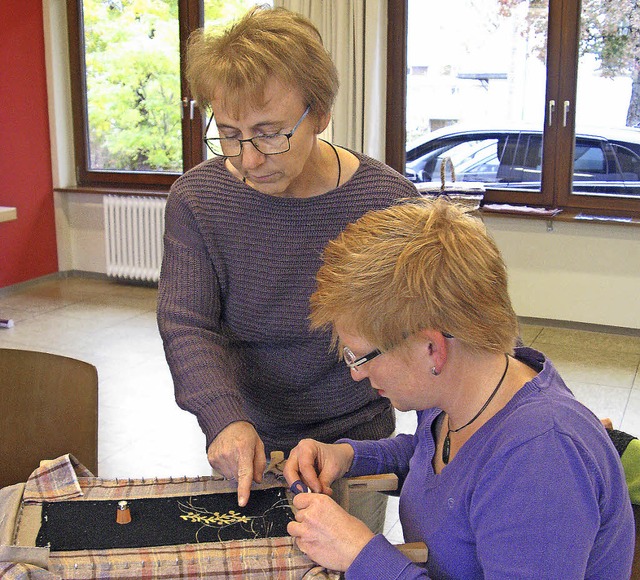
<point x="134" y="227"/>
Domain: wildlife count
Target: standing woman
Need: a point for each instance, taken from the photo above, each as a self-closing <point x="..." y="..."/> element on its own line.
<point x="244" y="234"/>
<point x="507" y="475"/>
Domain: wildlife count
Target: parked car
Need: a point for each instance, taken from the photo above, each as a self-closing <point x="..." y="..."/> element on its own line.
<point x="606" y="161"/>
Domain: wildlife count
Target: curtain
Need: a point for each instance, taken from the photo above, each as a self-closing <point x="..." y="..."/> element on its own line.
<point x="355" y="34"/>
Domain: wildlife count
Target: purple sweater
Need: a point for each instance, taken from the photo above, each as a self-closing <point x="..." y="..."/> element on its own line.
<point x="536" y="492"/>
<point x="233" y="304"/>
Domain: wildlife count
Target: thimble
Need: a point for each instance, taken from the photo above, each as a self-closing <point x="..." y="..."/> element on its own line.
<point x="123" y="515"/>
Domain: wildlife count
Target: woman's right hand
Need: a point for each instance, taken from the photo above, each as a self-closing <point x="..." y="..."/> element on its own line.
<point x="238" y="453"/>
<point x="327" y="533"/>
<point x="317" y="464"/>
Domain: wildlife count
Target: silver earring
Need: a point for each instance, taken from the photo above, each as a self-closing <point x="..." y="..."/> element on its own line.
<point x="434" y="371"/>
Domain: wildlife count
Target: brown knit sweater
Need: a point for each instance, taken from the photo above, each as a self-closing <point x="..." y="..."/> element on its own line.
<point x="238" y="270"/>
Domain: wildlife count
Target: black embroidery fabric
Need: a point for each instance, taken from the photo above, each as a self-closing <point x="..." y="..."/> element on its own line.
<point x="91" y="525"/>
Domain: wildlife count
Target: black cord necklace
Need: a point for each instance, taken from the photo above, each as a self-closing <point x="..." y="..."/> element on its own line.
<point x="338" y="158"/>
<point x="446" y="447"/>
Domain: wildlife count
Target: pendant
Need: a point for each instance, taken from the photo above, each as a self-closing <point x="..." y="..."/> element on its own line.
<point x="446" y="449"/>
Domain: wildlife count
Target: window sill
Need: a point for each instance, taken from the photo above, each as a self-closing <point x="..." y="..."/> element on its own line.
<point x="572" y="216"/>
<point x="156" y="192"/>
<point x="562" y="216"/>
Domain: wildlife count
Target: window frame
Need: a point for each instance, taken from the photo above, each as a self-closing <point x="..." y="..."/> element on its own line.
<point x="558" y="138"/>
<point x="191" y="16"/>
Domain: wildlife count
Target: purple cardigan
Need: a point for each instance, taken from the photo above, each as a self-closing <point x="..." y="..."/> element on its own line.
<point x="233" y="304"/>
<point x="536" y="492"/>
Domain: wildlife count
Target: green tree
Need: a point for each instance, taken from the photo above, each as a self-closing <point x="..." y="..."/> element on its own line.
<point x="133" y="84"/>
<point x="609" y="29"/>
<point x="132" y="60"/>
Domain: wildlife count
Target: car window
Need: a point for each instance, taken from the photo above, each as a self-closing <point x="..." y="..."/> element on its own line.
<point x="589" y="161"/>
<point x="477" y="160"/>
<point x="473" y="160"/>
<point x="522" y="160"/>
<point x="604" y="168"/>
<point x="629" y="163"/>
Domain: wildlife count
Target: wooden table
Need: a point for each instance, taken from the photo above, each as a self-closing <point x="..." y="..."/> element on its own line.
<point x="8" y="214"/>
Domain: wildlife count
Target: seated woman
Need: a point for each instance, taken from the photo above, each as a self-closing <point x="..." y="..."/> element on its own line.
<point x="507" y="475"/>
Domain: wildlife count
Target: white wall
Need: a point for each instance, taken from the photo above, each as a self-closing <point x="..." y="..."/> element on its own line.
<point x="80" y="231"/>
<point x="579" y="272"/>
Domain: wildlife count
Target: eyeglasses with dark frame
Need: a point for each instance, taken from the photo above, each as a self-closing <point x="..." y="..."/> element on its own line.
<point x="273" y="144"/>
<point x="353" y="362"/>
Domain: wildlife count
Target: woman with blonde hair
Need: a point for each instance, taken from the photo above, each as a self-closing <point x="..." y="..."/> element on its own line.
<point x="507" y="475"/>
<point x="243" y="238"/>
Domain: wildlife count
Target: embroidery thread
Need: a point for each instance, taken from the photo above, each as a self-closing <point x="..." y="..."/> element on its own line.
<point x="258" y="526"/>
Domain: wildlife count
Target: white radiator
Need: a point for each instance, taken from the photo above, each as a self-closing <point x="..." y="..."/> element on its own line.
<point x="134" y="227"/>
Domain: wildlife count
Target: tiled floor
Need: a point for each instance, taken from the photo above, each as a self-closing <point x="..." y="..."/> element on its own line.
<point x="142" y="432"/>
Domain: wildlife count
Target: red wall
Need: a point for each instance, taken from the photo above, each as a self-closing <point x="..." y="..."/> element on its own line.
<point x="28" y="244"/>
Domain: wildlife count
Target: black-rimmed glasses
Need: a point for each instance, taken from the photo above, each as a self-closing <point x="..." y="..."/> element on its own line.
<point x="266" y="144"/>
<point x="353" y="362"/>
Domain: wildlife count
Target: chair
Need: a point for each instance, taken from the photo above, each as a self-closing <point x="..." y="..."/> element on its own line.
<point x="343" y="488"/>
<point x="49" y="407"/>
<point x="628" y="447"/>
<point x="635" y="569"/>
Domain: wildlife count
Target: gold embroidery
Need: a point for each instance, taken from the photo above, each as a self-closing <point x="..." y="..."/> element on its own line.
<point x="216" y="519"/>
<point x="254" y="526"/>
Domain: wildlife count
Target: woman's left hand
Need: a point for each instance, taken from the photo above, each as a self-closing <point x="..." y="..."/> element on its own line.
<point x="327" y="533"/>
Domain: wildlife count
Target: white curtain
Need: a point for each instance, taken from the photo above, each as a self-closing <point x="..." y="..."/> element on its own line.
<point x="355" y="34"/>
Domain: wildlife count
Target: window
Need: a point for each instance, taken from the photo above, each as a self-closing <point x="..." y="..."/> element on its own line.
<point x="135" y="123"/>
<point x="503" y="74"/>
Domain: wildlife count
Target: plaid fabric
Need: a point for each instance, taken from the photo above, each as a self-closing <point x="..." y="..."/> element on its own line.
<point x="66" y="479"/>
<point x="13" y="571"/>
<point x="56" y="480"/>
<point x="274" y="558"/>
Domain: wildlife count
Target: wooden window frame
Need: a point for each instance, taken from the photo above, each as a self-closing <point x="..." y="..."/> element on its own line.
<point x="558" y="140"/>
<point x="190" y="18"/>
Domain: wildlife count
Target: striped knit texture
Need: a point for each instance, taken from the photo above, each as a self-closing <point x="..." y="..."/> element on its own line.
<point x="238" y="270"/>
